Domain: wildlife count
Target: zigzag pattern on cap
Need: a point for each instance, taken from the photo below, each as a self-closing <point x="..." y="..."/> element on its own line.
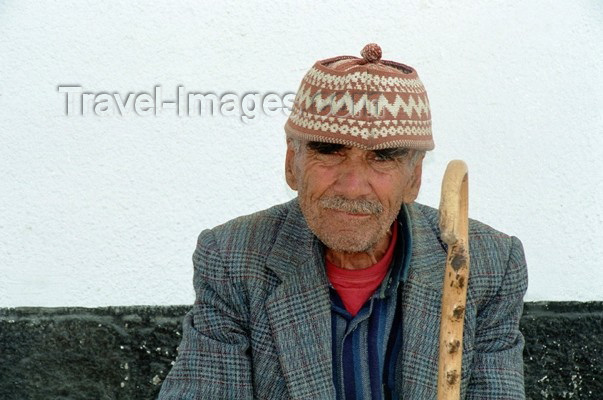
<point x="359" y="103"/>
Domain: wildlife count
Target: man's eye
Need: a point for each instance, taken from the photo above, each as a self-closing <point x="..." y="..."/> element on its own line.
<point x="383" y="157"/>
<point x="328" y="151"/>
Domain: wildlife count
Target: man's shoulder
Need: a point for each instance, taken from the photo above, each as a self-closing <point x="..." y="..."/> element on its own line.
<point x="431" y="216"/>
<point x="254" y="232"/>
<point x="494" y="255"/>
<point x="485" y="241"/>
<point x="239" y="250"/>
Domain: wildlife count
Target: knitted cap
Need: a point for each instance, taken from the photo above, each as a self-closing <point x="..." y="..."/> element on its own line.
<point x="365" y="102"/>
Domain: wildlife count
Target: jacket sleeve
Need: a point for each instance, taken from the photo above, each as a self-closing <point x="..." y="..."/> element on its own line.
<point x="213" y="357"/>
<point x="497" y="371"/>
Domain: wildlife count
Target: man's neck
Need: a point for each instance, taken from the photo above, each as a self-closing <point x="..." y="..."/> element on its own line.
<point x="360" y="260"/>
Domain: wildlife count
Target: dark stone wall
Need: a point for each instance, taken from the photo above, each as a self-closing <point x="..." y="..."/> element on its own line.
<point x="125" y="352"/>
<point x="79" y="353"/>
<point x="563" y="356"/>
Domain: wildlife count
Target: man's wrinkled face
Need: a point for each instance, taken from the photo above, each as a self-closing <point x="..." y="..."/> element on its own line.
<point x="350" y="196"/>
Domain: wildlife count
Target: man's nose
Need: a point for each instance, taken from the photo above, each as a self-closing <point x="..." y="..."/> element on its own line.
<point x="353" y="180"/>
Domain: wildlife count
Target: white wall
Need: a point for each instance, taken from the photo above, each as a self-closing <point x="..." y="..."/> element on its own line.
<point x="99" y="211"/>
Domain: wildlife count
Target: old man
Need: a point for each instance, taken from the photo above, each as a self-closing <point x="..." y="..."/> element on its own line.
<point x="337" y="293"/>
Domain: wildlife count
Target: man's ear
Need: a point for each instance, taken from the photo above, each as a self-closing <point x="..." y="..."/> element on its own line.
<point x="290" y="167"/>
<point x="412" y="190"/>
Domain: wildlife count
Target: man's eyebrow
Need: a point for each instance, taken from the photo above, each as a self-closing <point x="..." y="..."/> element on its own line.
<point x="324" y="148"/>
<point x="391" y="153"/>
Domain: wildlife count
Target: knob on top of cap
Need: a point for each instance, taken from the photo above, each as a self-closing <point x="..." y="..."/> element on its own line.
<point x="371" y="52"/>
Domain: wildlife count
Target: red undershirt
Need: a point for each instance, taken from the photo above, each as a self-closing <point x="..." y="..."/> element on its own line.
<point x="355" y="287"/>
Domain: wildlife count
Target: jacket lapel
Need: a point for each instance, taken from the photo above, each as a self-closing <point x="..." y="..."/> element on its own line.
<point x="299" y="310"/>
<point x="428" y="259"/>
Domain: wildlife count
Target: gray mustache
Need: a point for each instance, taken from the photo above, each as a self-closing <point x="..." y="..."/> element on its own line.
<point x="358" y="206"/>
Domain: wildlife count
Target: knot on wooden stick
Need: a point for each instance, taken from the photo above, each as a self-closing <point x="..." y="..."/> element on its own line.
<point x="458" y="312"/>
<point x="453" y="346"/>
<point x="452" y="377"/>
<point x="459" y="260"/>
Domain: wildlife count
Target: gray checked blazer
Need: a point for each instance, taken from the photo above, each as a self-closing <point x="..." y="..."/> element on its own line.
<point x="260" y="327"/>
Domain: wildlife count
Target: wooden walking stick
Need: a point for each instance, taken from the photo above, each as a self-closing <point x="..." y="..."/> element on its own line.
<point x="454" y="232"/>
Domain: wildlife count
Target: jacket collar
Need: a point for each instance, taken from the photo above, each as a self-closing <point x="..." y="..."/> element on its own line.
<point x="295" y="244"/>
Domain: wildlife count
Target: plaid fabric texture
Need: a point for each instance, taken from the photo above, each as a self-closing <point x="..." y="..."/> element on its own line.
<point x="260" y="327"/>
